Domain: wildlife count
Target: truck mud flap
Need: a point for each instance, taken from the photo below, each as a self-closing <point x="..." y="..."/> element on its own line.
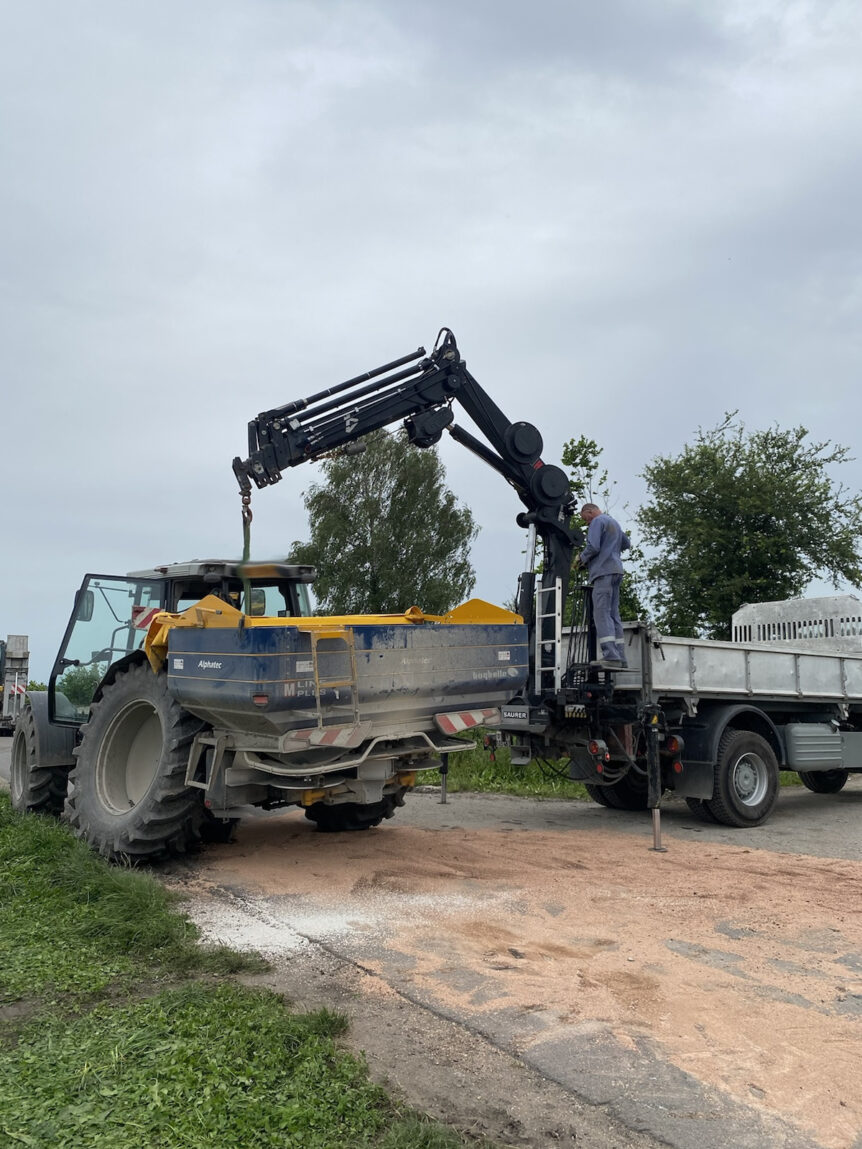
<point x="694" y="780"/>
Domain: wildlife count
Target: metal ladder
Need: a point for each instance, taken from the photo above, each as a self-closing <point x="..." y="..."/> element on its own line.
<point x="549" y="604"/>
<point x="345" y="635"/>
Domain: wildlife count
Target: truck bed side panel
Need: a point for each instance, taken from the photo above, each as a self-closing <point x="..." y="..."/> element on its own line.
<point x="683" y="667"/>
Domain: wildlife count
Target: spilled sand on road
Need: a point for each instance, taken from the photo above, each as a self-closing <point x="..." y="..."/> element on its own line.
<point x="742" y="967"/>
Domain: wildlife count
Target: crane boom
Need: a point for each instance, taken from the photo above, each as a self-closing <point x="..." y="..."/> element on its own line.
<point x="419" y="389"/>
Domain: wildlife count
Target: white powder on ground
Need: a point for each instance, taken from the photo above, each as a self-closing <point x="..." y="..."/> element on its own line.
<point x="231" y="924"/>
<point x="256" y="923"/>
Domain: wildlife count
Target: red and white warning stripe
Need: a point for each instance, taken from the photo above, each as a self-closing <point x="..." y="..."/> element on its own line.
<point x="19" y="689"/>
<point x="142" y="616"/>
<point x="458" y="720"/>
<point x="341" y="736"/>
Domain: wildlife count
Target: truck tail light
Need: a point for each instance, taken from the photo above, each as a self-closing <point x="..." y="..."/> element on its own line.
<point x="673" y="744"/>
<point x="599" y="749"/>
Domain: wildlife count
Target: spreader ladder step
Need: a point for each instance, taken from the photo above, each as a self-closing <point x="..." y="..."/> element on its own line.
<point x="334" y="682"/>
<point x="549" y="606"/>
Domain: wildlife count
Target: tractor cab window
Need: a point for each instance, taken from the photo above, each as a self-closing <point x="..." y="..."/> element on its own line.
<point x="267" y="601"/>
<point x="281" y="600"/>
<point x="110" y="620"/>
<point x="303" y="595"/>
<point x="264" y="599"/>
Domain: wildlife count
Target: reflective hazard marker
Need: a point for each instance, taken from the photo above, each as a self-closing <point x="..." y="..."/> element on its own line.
<point x="458" y="720"/>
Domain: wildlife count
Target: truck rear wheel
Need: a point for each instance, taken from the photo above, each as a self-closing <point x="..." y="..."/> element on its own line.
<point x="600" y="794"/>
<point x="630" y="793"/>
<point x="352" y="815"/>
<point x="34" y="789"/>
<point x="701" y="810"/>
<point x="127" y="793"/>
<point x="824" y="781"/>
<point x="746" y="780"/>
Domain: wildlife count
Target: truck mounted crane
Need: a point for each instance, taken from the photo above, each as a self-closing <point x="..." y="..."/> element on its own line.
<point x="420" y="390"/>
<point x="715" y="735"/>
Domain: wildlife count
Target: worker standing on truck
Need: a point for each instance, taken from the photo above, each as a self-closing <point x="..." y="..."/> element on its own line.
<point x="601" y="556"/>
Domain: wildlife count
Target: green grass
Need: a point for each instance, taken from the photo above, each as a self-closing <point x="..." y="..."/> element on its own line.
<point x="789" y="778"/>
<point x="120" y="1030"/>
<point x="194" y="1066"/>
<point x="72" y="925"/>
<point x="474" y="770"/>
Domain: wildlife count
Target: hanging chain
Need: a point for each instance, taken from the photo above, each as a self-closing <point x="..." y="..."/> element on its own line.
<point x="247" y="516"/>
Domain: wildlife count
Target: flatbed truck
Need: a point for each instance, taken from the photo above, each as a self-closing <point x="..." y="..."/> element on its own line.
<point x="713" y="722"/>
<point x="14" y="671"/>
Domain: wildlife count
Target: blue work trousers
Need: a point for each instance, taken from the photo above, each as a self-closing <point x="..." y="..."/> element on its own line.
<point x="606" y="616"/>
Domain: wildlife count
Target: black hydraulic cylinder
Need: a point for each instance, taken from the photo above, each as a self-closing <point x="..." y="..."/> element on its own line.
<point x="653" y="733"/>
<point x="359" y="393"/>
<point x="301" y="404"/>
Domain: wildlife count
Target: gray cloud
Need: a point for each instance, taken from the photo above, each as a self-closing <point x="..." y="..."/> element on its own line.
<point x="635" y="217"/>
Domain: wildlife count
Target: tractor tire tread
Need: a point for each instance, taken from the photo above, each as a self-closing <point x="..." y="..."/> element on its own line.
<point x="167" y="820"/>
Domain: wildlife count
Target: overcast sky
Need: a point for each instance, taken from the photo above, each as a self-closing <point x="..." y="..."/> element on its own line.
<point x="634" y="215"/>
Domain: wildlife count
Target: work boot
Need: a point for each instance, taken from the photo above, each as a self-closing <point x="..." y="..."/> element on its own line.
<point x="612" y="656"/>
<point x="616" y="652"/>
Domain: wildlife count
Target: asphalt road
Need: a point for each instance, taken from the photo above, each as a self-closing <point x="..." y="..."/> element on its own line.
<point x="822" y="825"/>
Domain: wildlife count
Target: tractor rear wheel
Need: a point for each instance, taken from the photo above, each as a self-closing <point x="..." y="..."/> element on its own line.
<point x="127" y="793"/>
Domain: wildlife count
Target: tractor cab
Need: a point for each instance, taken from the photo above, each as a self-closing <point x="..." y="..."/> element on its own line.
<point x="112" y="615"/>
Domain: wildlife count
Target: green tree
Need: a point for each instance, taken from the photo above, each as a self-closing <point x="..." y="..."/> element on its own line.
<point x="745" y="517"/>
<point x="79" y="683"/>
<point x="386" y="533"/>
<point x="591" y="484"/>
<point x="33" y="685"/>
